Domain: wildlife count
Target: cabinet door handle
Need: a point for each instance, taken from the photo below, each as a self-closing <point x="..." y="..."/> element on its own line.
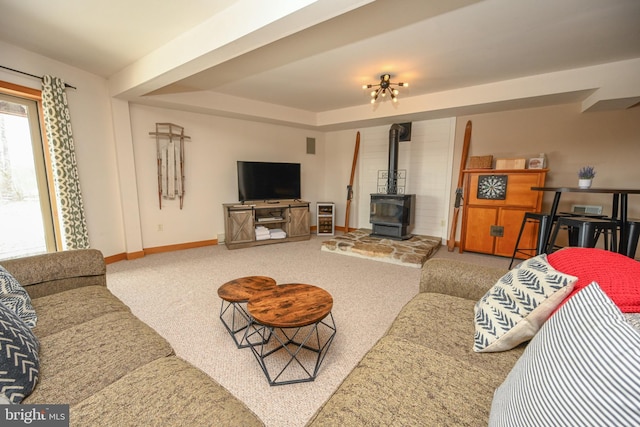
<point x="496" y="231"/>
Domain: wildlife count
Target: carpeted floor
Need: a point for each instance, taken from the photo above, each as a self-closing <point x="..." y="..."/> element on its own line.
<point x="176" y="294"/>
<point x="412" y="252"/>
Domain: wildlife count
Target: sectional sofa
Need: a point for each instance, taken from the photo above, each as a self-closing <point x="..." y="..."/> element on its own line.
<point x="424" y="371"/>
<point x="112" y="369"/>
<point x="582" y="367"/>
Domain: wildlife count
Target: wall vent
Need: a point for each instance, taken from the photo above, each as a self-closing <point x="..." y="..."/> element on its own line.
<point x="311" y="145"/>
<point x="587" y="209"/>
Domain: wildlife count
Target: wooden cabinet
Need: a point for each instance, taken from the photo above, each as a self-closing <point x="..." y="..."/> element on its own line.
<point x="241" y="221"/>
<point x="298" y="225"/>
<point x="495" y="202"/>
<point x="239" y="225"/>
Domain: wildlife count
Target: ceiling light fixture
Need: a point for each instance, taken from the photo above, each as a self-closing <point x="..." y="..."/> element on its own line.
<point x="383" y="87"/>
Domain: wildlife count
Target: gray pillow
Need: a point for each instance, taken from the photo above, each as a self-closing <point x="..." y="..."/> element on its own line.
<point x="14" y="296"/>
<point x="19" y="362"/>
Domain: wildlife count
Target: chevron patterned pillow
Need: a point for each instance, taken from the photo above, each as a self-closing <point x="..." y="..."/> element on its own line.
<point x="581" y="369"/>
<point x="19" y="362"/>
<point x="515" y="308"/>
<point x="13" y="295"/>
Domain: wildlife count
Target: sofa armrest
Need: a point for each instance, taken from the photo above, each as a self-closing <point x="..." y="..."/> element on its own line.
<point x="55" y="272"/>
<point x="457" y="278"/>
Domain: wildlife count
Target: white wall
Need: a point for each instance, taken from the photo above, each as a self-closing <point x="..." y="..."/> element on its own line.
<point x="427" y="158"/>
<point x="339" y="148"/>
<point x="217" y="143"/>
<point x="210" y="170"/>
<point x="89" y="106"/>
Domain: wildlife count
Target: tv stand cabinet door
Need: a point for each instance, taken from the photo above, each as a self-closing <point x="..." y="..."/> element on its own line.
<point x="299" y="221"/>
<point x="241" y="229"/>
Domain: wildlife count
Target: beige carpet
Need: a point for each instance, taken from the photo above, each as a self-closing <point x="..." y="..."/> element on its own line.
<point x="176" y="294"/>
<point x="412" y="252"/>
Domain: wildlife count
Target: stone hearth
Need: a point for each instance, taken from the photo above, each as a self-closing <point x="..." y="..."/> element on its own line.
<point x="412" y="252"/>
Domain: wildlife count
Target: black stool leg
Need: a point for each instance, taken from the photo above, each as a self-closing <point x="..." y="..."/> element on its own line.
<point x="541" y="245"/>
<point x="554" y="236"/>
<point x="586" y="236"/>
<point x="633" y="231"/>
<point x="544" y="224"/>
<point x="614" y="239"/>
<point x="515" y="248"/>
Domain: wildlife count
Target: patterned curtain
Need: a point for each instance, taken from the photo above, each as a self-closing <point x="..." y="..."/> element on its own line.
<point x="57" y="122"/>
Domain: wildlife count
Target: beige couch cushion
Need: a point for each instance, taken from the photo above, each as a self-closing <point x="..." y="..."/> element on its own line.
<point x="165" y="392"/>
<point x="445" y="323"/>
<point x="56" y="272"/>
<point x="401" y="383"/>
<point x="81" y="360"/>
<point x="61" y="311"/>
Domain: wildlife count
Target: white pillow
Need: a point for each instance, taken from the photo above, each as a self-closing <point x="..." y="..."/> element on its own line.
<point x="515" y="308"/>
<point x="581" y="369"/>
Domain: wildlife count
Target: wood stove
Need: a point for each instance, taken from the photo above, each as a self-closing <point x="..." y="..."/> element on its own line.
<point x="391" y="214"/>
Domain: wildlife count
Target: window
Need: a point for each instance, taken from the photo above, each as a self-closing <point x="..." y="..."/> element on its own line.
<point x="26" y="219"/>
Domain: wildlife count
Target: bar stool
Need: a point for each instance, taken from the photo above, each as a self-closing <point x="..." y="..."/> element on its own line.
<point x="633" y="232"/>
<point x="544" y="221"/>
<point x="584" y="232"/>
<point x="591" y="215"/>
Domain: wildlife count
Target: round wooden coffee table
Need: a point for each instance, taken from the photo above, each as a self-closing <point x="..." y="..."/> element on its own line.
<point x="298" y="319"/>
<point x="234" y="295"/>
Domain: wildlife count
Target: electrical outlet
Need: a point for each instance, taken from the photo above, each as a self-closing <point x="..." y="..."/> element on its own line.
<point x="160" y="227"/>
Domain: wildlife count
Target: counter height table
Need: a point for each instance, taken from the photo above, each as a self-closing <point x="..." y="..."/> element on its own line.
<point x="618" y="207"/>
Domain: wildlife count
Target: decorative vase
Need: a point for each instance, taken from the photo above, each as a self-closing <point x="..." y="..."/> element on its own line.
<point x="584" y="183"/>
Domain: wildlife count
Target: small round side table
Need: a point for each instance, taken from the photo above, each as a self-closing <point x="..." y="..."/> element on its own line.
<point x="233" y="313"/>
<point x="297" y="317"/>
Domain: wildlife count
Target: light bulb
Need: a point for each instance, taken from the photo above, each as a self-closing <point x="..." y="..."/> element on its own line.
<point x="373" y="93"/>
<point x="365" y="87"/>
<point x="373" y="100"/>
<point x="395" y="91"/>
<point x="384" y="93"/>
<point x="395" y="99"/>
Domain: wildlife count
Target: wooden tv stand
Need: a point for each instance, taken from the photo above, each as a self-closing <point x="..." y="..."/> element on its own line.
<point x="241" y="220"/>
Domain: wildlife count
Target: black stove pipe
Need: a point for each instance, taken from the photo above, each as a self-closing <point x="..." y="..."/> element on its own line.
<point x="395" y="132"/>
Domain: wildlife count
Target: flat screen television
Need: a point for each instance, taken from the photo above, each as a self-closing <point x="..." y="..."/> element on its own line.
<point x="268" y="181"/>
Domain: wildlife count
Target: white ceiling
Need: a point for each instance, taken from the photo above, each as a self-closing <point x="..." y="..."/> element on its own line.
<point x="311" y="62"/>
<point x="100" y="36"/>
